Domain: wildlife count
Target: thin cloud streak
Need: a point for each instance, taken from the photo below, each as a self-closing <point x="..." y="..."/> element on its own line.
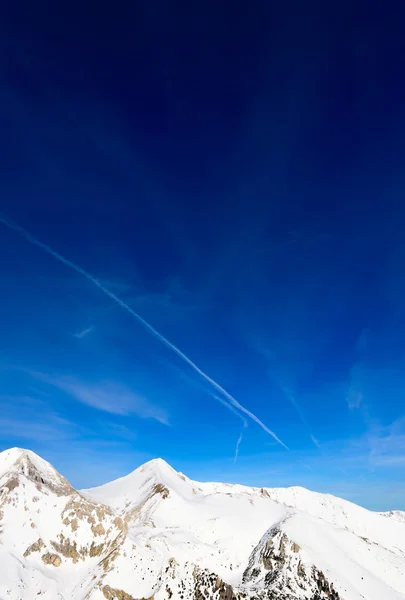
<point x="231" y="400"/>
<point x="289" y="395"/>
<point x="264" y="352"/>
<point x="82" y="334"/>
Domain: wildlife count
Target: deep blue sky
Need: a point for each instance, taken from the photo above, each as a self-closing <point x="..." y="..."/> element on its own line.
<point x="233" y="173"/>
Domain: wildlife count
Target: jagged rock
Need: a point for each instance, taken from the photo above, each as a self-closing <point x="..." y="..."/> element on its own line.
<point x="300" y="570"/>
<point x="225" y="590"/>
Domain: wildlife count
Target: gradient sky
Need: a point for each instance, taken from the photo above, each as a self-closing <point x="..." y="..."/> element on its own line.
<point x="235" y="177"/>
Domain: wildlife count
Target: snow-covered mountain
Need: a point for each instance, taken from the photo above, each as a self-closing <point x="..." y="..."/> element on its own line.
<point x="156" y="534"/>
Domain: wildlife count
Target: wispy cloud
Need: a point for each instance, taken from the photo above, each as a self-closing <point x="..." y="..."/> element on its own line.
<point x="106" y="396"/>
<point x="82" y="334"/>
<point x="229" y="400"/>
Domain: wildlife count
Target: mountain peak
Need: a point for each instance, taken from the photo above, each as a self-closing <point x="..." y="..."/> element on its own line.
<point x="17" y="462"/>
<point x="154" y="476"/>
<point x="158" y="465"/>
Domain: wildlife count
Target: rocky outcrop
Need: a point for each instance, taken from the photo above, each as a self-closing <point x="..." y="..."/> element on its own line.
<point x="277" y="569"/>
<point x="98" y="529"/>
<point x="210" y="585"/>
<point x="114" y="594"/>
<point x="57" y="484"/>
<point x="67" y="548"/>
<point x="324" y="586"/>
<point x="159" y="488"/>
<point x="35" y="547"/>
<point x="51" y="559"/>
<point x="12" y="483"/>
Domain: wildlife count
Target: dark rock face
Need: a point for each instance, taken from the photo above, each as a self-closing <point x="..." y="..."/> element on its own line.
<point x="209" y="585"/>
<point x="324" y="586"/>
<point x="277" y="571"/>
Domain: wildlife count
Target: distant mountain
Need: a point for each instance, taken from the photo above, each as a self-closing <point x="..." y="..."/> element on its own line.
<point x="156" y="534"/>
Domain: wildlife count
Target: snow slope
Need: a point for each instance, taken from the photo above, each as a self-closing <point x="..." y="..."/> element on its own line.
<point x="157" y="534"/>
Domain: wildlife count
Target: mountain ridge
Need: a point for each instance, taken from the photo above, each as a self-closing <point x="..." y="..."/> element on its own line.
<point x="155" y="533"/>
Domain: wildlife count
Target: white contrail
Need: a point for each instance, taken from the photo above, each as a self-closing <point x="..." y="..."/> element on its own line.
<point x="232" y="401"/>
<point x="239" y="441"/>
<point x="288" y="394"/>
<point x="83" y="333"/>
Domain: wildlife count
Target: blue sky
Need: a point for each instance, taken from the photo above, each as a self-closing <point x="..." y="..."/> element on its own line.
<point x="238" y="184"/>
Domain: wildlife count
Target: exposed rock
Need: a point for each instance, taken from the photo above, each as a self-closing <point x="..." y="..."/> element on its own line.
<point x="51" y="559"/>
<point x="300" y="570"/>
<point x="35" y="547"/>
<point x="119" y="523"/>
<point x="102" y="511"/>
<point x="159" y="488"/>
<point x="324" y="586"/>
<point x="208" y="585"/>
<point x="98" y="529"/>
<point x="276" y="568"/>
<point x="12" y="483"/>
<point x="114" y="594"/>
<point x="96" y="550"/>
<point x="173" y="562"/>
<point x="225" y="590"/>
<point x="58" y="485"/>
<point x="67" y="548"/>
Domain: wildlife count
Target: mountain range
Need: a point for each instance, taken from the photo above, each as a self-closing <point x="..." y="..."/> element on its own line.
<point x="156" y="534"/>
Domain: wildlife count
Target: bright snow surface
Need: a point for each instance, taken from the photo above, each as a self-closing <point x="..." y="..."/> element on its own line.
<point x="167" y="516"/>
